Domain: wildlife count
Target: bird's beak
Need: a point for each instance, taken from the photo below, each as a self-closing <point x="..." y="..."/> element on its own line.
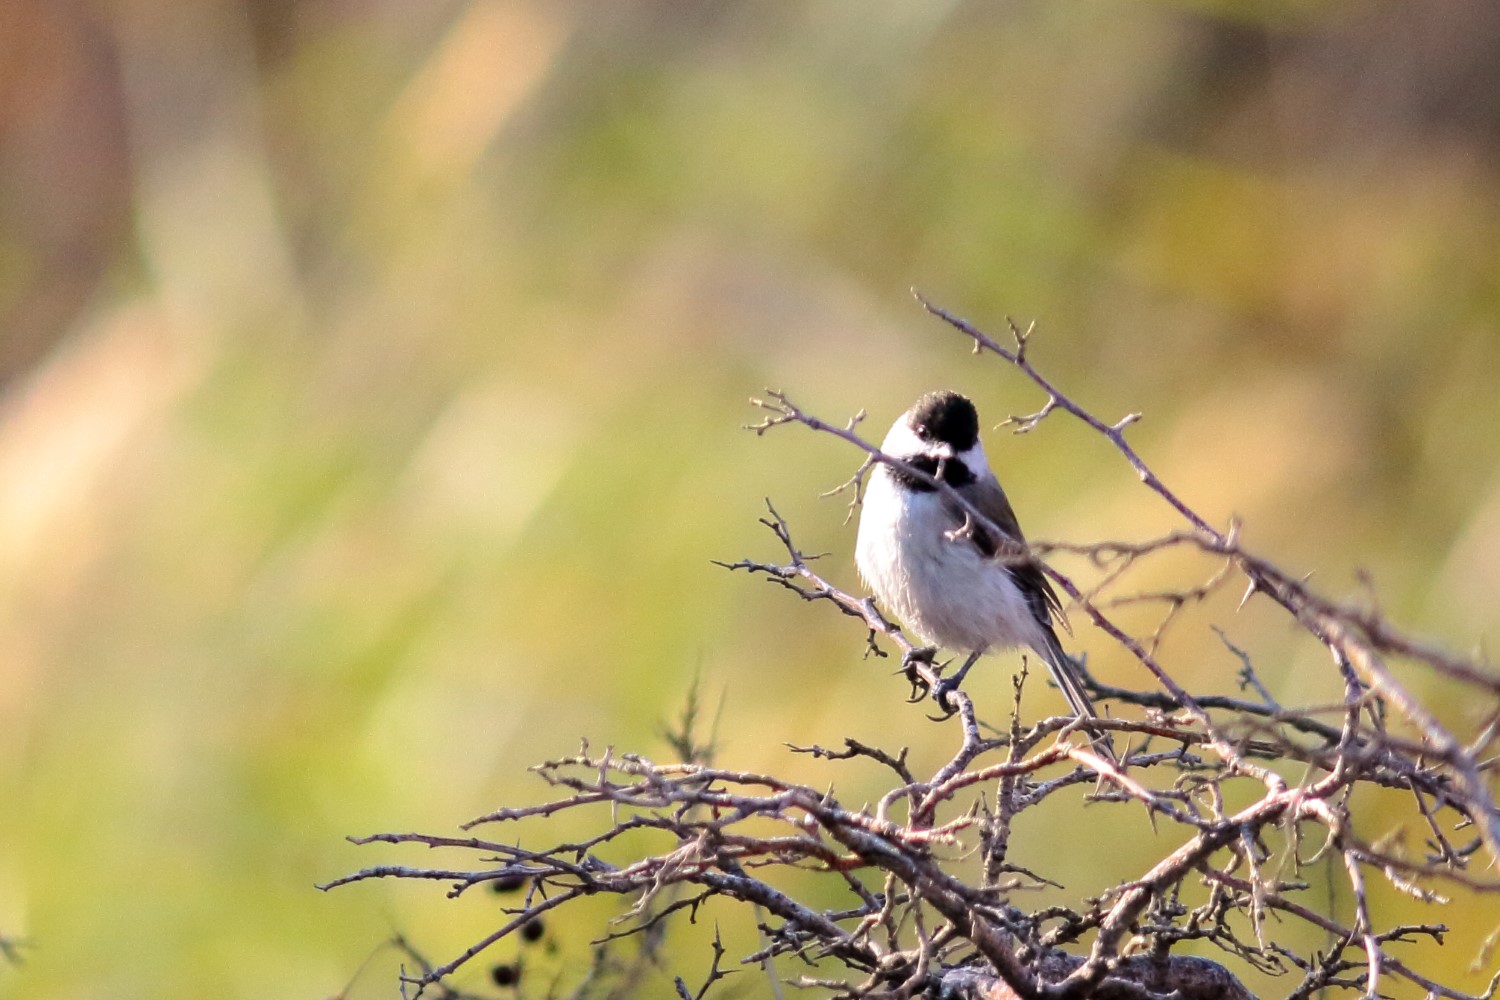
<point x="943" y="452"/>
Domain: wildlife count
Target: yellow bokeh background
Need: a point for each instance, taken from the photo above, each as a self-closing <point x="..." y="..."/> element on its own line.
<point x="374" y="376"/>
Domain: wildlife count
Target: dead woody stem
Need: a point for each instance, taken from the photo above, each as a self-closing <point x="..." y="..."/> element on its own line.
<point x="917" y="922"/>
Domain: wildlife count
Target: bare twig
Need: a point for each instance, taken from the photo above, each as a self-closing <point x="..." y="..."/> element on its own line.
<point x="1245" y="791"/>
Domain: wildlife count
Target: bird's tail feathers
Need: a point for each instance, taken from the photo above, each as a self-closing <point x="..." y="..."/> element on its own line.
<point x="1065" y="673"/>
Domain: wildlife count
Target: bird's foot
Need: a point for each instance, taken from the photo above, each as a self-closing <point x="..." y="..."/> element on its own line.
<point x="941" y="693"/>
<point x="913" y="658"/>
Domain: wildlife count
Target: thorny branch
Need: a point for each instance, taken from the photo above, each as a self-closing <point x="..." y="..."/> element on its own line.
<point x="914" y="925"/>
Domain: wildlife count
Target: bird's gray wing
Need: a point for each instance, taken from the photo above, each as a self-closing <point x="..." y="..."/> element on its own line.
<point x="989" y="498"/>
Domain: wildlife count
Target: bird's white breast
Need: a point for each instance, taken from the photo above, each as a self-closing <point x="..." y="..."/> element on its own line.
<point x="941" y="588"/>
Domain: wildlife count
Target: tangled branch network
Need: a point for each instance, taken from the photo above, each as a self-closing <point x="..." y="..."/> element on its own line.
<point x="1246" y="794"/>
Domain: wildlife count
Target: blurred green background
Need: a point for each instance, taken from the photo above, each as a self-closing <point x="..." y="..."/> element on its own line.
<point x="373" y="376"/>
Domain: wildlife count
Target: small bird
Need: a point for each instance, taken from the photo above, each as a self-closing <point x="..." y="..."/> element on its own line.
<point x="943" y="574"/>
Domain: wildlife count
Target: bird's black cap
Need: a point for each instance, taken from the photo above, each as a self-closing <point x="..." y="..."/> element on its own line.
<point x="946" y="417"/>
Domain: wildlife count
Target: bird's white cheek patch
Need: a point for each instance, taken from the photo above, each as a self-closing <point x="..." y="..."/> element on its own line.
<point x="902" y="442"/>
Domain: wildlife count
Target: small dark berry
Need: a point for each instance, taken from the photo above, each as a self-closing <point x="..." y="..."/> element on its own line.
<point x="533" y="930"/>
<point x="506" y="975"/>
<point x="507" y="883"/>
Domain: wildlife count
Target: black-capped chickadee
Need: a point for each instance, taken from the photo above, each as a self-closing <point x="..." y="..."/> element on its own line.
<point x="944" y="576"/>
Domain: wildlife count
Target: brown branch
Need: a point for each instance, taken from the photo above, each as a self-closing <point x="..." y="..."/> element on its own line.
<point x="911" y="919"/>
